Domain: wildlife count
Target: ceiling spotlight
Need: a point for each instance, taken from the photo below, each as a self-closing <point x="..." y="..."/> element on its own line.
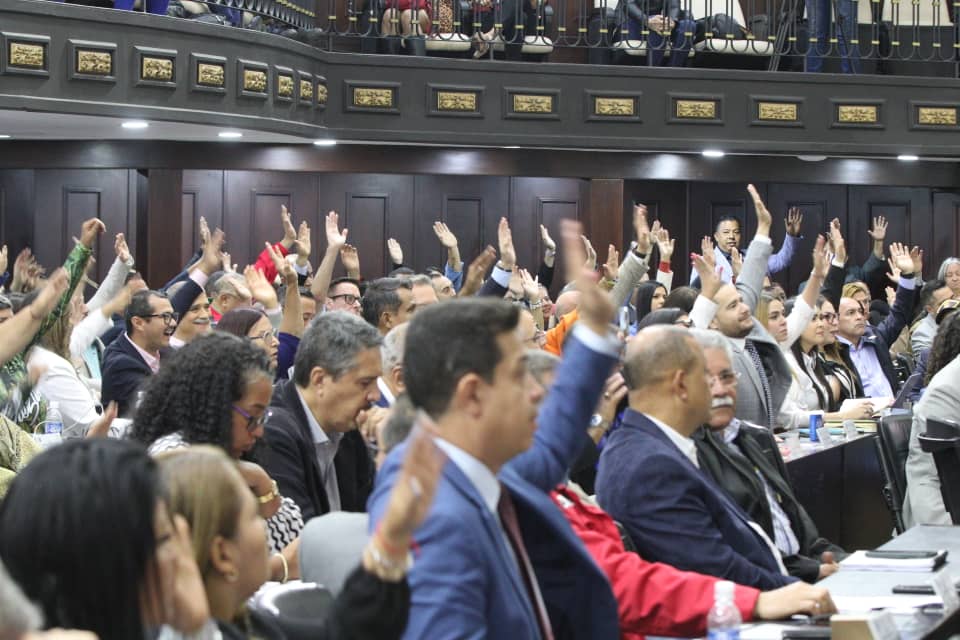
<point x="325" y="142"/>
<point x="230" y="134"/>
<point x="907" y="157"/>
<point x="135" y="124"/>
<point x="809" y="158"/>
<point x="713" y="153"/>
<point x="5" y="136"/>
<point x="512" y="146"/>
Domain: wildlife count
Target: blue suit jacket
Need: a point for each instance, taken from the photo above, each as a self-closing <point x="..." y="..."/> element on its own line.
<point x="464" y="581"/>
<point x="674" y="513"/>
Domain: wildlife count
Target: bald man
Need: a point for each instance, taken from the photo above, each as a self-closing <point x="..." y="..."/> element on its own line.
<point x="649" y="478"/>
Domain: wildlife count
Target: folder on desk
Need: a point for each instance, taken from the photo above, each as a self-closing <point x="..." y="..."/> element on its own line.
<point x="860" y="561"/>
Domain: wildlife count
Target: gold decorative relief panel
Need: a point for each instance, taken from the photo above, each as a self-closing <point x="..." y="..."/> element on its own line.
<point x="778" y="111"/>
<point x="372" y="97"/>
<point x="285" y="86"/>
<point x="94" y="63"/>
<point x="696" y="109"/>
<point x="456" y="101"/>
<point x="858" y="113"/>
<point x="523" y="103"/>
<point x="159" y="69"/>
<point x="211" y="75"/>
<point x="255" y="80"/>
<point x="937" y="116"/>
<point x="614" y="106"/>
<point x="26" y="55"/>
<point x="306" y="89"/>
<point x="322" y="94"/>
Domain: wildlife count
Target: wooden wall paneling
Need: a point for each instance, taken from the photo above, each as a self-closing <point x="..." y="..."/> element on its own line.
<point x="909" y="214"/>
<point x="604" y="216"/>
<point x="251" y="212"/>
<point x="65" y="198"/>
<point x="373" y="207"/>
<point x="666" y="201"/>
<point x="546" y="201"/>
<point x="819" y="204"/>
<point x="164" y="256"/>
<point x="946" y="236"/>
<point x="202" y="197"/>
<point x="16" y="211"/>
<point x="709" y="201"/>
<point x="470" y="205"/>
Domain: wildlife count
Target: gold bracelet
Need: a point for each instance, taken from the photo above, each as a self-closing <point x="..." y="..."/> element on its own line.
<point x="271" y="496"/>
<point x="286" y="569"/>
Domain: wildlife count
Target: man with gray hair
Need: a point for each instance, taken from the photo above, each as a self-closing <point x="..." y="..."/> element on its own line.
<point x="390" y="381"/>
<point x="227" y="291"/>
<point x="315" y="452"/>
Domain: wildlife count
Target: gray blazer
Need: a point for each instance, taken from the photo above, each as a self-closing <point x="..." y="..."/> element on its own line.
<point x="924" y="502"/>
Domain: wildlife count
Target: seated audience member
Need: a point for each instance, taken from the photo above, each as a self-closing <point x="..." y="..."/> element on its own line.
<point x="649" y="296"/>
<point x="923" y="503"/>
<point x="388" y="302"/>
<point x="649" y="478"/>
<point x="158" y="7"/>
<point x="227" y="291"/>
<point x="728" y="308"/>
<point x="502" y="19"/>
<point x="950" y="273"/>
<point x="946" y="311"/>
<point x="673" y="315"/>
<point x="522" y="574"/>
<point x="869" y="345"/>
<point x="135" y="355"/>
<point x="195" y="322"/>
<point x="344" y="295"/>
<point x="217" y="390"/>
<point x="841" y="373"/>
<point x="316" y="454"/>
<point x="726" y="234"/>
<point x="422" y="291"/>
<point x="442" y="285"/>
<point x="932" y="294"/>
<point x="308" y="305"/>
<point x="681" y="298"/>
<point x="229" y="546"/>
<point x="664" y="27"/>
<point x="17" y="448"/>
<point x="744" y="461"/>
<point x="390" y="381"/>
<point x="104" y="513"/>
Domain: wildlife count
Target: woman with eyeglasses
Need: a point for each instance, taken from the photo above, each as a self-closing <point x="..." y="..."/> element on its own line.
<point x="216" y="390"/>
<point x="841" y="373"/>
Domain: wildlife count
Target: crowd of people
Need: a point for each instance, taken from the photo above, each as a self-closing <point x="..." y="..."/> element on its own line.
<point x="470" y="457"/>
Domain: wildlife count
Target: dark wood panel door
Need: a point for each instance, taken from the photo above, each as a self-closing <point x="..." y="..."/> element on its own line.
<point x="252" y="201"/>
<point x="16" y="211"/>
<point x="946" y="235"/>
<point x="202" y="197"/>
<point x="666" y="201"/>
<point x="546" y="201"/>
<point x="908" y="212"/>
<point x="819" y="204"/>
<point x="470" y="205"/>
<point x="374" y="207"/>
<point x="65" y="198"/>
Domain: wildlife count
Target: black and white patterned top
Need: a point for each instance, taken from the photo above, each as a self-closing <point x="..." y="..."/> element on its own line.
<point x="285" y="525"/>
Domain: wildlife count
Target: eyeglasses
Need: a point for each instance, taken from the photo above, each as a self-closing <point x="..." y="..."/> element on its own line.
<point x="726" y="378"/>
<point x="827" y="317"/>
<point x="263" y="336"/>
<point x="253" y="423"/>
<point x="348" y="298"/>
<point x="167" y="317"/>
<point x="688" y="323"/>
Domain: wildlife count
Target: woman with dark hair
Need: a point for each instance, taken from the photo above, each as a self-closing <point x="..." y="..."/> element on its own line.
<point x="253" y="324"/>
<point x="86" y="534"/>
<point x="216" y="390"/>
<point x="681" y="298"/>
<point x="649" y="296"/>
<point x="946" y="346"/>
<point x="665" y="316"/>
<point x="228" y="542"/>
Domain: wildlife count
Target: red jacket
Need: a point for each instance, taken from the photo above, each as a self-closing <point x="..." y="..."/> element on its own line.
<point x="265" y="265"/>
<point x="652" y="598"/>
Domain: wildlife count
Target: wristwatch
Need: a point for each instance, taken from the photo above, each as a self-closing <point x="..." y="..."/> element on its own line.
<point x="596" y="420"/>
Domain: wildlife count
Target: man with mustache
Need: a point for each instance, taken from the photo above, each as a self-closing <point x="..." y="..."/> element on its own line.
<point x="745" y="462"/>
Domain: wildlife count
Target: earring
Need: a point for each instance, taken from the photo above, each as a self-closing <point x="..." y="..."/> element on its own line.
<point x="231" y="576"/>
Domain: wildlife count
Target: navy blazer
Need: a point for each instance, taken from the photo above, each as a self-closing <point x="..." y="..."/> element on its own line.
<point x="674" y="513"/>
<point x="124" y="371"/>
<point x="464" y="581"/>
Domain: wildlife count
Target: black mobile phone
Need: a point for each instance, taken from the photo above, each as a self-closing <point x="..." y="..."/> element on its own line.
<point x="914" y="589"/>
<point x="806" y="633"/>
<point x="901" y="555"/>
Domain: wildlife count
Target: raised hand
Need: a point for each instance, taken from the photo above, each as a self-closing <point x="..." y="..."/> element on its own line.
<point x="548" y="243"/>
<point x="515" y="285"/>
<point x="90" y="230"/>
<point x="289" y="233"/>
<point x="591" y="254"/>
<point x="261" y="484"/>
<point x="282" y="265"/>
<point x="395" y="250"/>
<point x="190" y="608"/>
<point x="707" y="272"/>
<point x="611" y="268"/>
<point x="508" y="255"/>
<point x="764" y="219"/>
<point x="837" y="244"/>
<point x="901" y="258"/>
<point x="335" y="238"/>
<point x="641" y="229"/>
<point x="227" y="261"/>
<point x="531" y="287"/>
<point x="351" y="260"/>
<point x="596" y="308"/>
<point x="665" y="244"/>
<point x="793" y="221"/>
<point x="916" y="254"/>
<point x="303" y="241"/>
<point x="736" y="261"/>
<point x="261" y="290"/>
<point x="879" y="230"/>
<point x="893" y="275"/>
<point x="821" y="264"/>
<point x="211" y="259"/>
<point x="121" y="249"/>
<point x="706" y="251"/>
<point x="477" y="271"/>
<point x="444" y="235"/>
<point x="49" y="295"/>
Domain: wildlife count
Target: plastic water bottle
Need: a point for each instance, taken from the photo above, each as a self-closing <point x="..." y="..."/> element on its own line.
<point x="723" y="621"/>
<point x="54" y="423"/>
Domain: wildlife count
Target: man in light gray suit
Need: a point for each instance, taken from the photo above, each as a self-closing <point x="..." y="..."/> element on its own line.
<point x="924" y="502"/>
<point x="764" y="372"/>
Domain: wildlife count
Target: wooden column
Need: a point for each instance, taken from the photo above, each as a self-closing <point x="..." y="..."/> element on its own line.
<point x="604" y="220"/>
<point x="161" y="239"/>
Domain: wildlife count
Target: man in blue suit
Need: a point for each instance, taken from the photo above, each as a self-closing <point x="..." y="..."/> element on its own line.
<point x="496" y="559"/>
<point x="649" y="479"/>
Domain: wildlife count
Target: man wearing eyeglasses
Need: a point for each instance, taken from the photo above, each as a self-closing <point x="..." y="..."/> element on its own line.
<point x="744" y="461"/>
<point x="130" y="359"/>
<point x="343" y="295"/>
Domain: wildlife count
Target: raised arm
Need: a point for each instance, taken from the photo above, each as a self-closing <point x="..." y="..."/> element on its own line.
<point x="17" y="333"/>
<point x="113" y="283"/>
<point x="803" y="311"/>
<point x="750" y="282"/>
<point x="781" y="260"/>
<point x="292" y="322"/>
<point x="636" y="262"/>
<point x="335" y="241"/>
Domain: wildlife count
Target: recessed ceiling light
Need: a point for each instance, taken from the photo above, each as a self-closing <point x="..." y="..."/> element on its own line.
<point x="907" y="157"/>
<point x="713" y="153"/>
<point x="230" y="134"/>
<point x="135" y="124"/>
<point x="513" y="146"/>
<point x="325" y="142"/>
<point x="5" y="136"/>
<point x="812" y="158"/>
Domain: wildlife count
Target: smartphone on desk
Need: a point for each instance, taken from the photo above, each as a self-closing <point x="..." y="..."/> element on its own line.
<point x="810" y="632"/>
<point x="901" y="555"/>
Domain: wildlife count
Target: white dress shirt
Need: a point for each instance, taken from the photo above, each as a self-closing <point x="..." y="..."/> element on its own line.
<point x="684" y="443"/>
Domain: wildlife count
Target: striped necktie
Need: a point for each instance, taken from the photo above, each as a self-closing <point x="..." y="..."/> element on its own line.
<point x="751" y="349"/>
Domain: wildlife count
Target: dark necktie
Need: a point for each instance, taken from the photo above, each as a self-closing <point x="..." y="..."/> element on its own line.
<point x="508" y="518"/>
<point x="751" y="349"/>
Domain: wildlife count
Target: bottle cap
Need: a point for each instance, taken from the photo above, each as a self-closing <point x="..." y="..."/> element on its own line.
<point x="723" y="590"/>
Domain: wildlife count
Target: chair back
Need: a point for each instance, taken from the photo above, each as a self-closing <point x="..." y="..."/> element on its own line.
<point x="298" y="609"/>
<point x="331" y="547"/>
<point x="893" y="445"/>
<point x="942" y="441"/>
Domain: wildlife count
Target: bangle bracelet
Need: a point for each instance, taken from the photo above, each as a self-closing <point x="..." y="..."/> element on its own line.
<point x="384" y="567"/>
<point x="269" y="496"/>
<point x="286" y="568"/>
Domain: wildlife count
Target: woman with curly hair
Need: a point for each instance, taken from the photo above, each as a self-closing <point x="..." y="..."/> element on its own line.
<point x="216" y="390"/>
<point x="946" y="346"/>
